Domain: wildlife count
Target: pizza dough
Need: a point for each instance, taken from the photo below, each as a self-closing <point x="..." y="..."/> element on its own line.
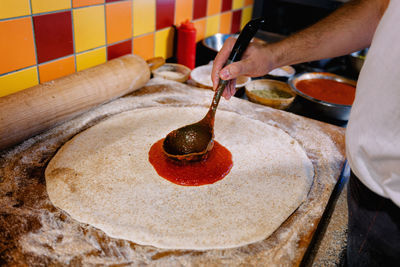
<point x="103" y="177"/>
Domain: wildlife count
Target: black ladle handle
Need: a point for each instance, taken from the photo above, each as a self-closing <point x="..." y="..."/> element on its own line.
<point x="244" y="38"/>
<point x="240" y="46"/>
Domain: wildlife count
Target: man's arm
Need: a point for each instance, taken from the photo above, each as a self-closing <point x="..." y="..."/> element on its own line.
<point x="348" y="29"/>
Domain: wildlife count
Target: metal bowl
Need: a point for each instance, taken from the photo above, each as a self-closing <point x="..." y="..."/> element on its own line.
<point x="216" y="41"/>
<point x="357" y="59"/>
<point x="330" y="110"/>
<point x="207" y="49"/>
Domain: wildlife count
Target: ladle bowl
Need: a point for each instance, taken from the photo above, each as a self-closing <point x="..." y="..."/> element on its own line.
<point x="189" y="143"/>
<point x="192" y="142"/>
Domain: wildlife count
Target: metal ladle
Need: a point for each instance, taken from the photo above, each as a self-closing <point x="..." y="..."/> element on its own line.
<point x="193" y="142"/>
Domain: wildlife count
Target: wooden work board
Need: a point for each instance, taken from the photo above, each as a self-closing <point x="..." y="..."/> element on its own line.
<point x="34" y="232"/>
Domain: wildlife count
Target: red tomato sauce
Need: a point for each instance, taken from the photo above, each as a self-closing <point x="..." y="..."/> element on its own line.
<point x="215" y="167"/>
<point x="328" y="90"/>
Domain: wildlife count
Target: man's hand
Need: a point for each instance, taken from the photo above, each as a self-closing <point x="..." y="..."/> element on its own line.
<point x="256" y="61"/>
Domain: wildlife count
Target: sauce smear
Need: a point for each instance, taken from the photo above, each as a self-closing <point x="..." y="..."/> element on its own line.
<point x="215" y="167"/>
<point x="328" y="90"/>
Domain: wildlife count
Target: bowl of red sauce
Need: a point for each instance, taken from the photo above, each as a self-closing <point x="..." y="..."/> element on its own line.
<point x="329" y="94"/>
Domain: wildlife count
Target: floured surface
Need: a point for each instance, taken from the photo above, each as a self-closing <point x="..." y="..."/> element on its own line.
<point x="103" y="177"/>
<point x="34" y="232"/>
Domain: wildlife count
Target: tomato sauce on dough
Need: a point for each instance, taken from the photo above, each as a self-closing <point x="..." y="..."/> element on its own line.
<point x="215" y="167"/>
<point x="328" y="90"/>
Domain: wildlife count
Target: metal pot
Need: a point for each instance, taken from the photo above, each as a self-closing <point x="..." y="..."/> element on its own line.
<point x="208" y="48"/>
<point x="357" y="60"/>
<point x="330" y="110"/>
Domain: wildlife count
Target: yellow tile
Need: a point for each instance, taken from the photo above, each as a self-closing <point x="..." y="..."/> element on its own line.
<point x="246" y="16"/>
<point x="17" y="81"/>
<point x="144" y="16"/>
<point x="164" y="43"/>
<point x="212" y="25"/>
<point x="14" y="8"/>
<point x="89" y="28"/>
<point x="236" y="4"/>
<point x="40" y="6"/>
<point x="90" y="59"/>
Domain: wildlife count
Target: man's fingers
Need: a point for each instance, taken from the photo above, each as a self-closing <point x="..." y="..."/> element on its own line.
<point x="225" y="94"/>
<point x="233" y="87"/>
<point x="220" y="60"/>
<point x="230" y="89"/>
<point x="234" y="70"/>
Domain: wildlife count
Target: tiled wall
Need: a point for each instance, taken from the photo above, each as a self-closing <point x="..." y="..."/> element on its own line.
<point x="41" y="40"/>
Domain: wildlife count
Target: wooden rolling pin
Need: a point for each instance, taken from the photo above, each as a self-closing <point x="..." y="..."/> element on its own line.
<point x="34" y="110"/>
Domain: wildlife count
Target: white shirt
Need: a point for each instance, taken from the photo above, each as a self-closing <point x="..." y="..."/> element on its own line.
<point x="373" y="131"/>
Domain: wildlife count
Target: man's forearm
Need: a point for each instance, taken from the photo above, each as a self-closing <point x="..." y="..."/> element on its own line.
<point x="348" y="29"/>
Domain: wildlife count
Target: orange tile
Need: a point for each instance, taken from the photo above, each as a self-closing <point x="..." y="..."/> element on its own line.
<point x="225" y="24"/>
<point x="144" y="46"/>
<point x="200" y="26"/>
<point x="214" y="7"/>
<point x="56" y="69"/>
<point x="17" y="50"/>
<point x="80" y="3"/>
<point x="248" y="2"/>
<point x="118" y="21"/>
<point x="183" y="11"/>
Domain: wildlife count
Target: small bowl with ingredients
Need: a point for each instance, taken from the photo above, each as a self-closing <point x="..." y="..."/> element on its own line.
<point x="328" y="94"/>
<point x="281" y="74"/>
<point x="272" y="93"/>
<point x="171" y="71"/>
<point x="202" y="77"/>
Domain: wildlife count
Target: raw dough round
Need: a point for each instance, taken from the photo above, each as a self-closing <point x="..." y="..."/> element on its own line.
<point x="103" y="177"/>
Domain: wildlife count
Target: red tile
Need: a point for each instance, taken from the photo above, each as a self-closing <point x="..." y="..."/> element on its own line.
<point x="117" y="50"/>
<point x="226" y="5"/>
<point x="199" y="9"/>
<point x="53" y="34"/>
<point x="164" y="13"/>
<point x="236" y="17"/>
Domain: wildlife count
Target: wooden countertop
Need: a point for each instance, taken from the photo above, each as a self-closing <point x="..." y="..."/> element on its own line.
<point x="33" y="231"/>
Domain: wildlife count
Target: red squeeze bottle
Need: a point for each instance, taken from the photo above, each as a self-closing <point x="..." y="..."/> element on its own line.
<point x="186" y="48"/>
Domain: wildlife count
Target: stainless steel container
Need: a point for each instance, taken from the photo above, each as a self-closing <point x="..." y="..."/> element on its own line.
<point x="357" y="59"/>
<point x="216" y="41"/>
<point x="330" y="110"/>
